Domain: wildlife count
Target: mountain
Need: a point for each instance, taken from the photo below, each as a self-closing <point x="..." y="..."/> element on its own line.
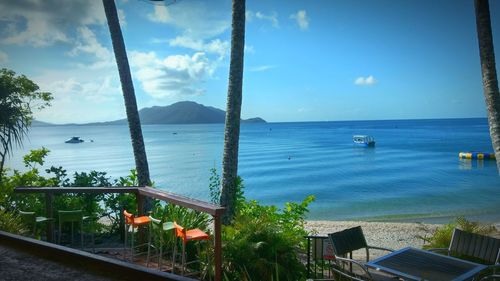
<point x="184" y="112"/>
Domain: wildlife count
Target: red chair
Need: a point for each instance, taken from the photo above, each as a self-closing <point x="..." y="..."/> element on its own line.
<point x="133" y="223"/>
<point x="186" y="236"/>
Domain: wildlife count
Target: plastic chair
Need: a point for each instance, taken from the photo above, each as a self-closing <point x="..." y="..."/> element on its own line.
<point x="31" y="220"/>
<point x="345" y="242"/>
<point x="74" y="217"/>
<point x="186" y="236"/>
<point x="156" y="238"/>
<point x="134" y="223"/>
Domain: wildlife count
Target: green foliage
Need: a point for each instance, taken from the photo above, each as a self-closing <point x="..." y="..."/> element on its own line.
<point x="441" y="237"/>
<point x="264" y="242"/>
<point x="98" y="205"/>
<point x="19" y="96"/>
<point x="11" y="222"/>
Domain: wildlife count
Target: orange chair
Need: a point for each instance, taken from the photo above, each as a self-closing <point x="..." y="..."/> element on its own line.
<point x="186" y="236"/>
<point x="133" y="222"/>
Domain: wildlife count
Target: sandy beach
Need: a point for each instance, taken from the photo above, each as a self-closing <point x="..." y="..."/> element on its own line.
<point x="383" y="234"/>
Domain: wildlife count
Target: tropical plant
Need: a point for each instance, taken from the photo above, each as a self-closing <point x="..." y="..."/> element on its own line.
<point x="441" y="236"/>
<point x="134" y="122"/>
<point x="263" y="242"/>
<point x="19" y="96"/>
<point x="10" y="222"/>
<point x="233" y="112"/>
<point x="489" y="73"/>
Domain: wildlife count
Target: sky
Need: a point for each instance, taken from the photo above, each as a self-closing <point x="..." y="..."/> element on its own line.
<point x="322" y="60"/>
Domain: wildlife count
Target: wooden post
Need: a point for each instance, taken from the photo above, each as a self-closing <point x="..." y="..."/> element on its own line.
<point x="218" y="247"/>
<point x="49" y="210"/>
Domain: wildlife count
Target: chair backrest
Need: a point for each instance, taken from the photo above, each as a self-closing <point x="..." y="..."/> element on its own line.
<point x="129" y="218"/>
<point x="475" y="245"/>
<point x="70" y="216"/>
<point x="180" y="231"/>
<point x="28" y="217"/>
<point x="348" y="240"/>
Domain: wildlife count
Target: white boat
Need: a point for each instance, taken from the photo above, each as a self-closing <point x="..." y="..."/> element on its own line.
<point x="363" y="140"/>
<point x="74" y="140"/>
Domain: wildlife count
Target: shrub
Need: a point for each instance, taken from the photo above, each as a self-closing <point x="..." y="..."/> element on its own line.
<point x="264" y="242"/>
<point x="441" y="237"/>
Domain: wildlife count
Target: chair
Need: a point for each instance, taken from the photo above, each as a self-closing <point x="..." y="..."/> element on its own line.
<point x="31" y="221"/>
<point x="74" y="217"/>
<point x="473" y="245"/>
<point x="186" y="236"/>
<point x="345" y="242"/>
<point x="133" y="223"/>
<point x="156" y="238"/>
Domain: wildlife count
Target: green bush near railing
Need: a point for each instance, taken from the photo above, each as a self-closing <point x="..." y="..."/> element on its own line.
<point x="263" y="242"/>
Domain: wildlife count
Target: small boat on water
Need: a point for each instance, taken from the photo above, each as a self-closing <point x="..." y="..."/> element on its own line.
<point x="363" y="140"/>
<point x="74" y="140"/>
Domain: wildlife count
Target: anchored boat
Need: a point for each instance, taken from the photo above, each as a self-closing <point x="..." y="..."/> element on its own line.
<point x="363" y="140"/>
<point x="74" y="140"/>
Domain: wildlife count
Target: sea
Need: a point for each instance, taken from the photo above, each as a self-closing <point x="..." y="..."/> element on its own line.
<point x="412" y="174"/>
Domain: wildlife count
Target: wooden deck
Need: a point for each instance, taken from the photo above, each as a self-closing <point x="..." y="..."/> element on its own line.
<point x="23" y="258"/>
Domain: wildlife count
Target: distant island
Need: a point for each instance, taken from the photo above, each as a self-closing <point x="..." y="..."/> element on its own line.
<point x="184" y="112"/>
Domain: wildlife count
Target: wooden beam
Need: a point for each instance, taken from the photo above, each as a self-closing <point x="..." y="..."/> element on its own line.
<point x="198" y="205"/>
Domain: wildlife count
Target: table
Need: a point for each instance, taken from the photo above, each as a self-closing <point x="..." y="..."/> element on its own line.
<point x="415" y="264"/>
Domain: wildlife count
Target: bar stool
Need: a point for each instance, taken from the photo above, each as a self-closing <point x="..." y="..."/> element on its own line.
<point x="134" y="223"/>
<point x="186" y="236"/>
<point x="74" y="217"/>
<point x="156" y="238"/>
<point x="31" y="220"/>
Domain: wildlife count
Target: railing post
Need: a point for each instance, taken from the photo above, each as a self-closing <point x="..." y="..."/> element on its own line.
<point x="218" y="247"/>
<point x="140" y="212"/>
<point x="49" y="210"/>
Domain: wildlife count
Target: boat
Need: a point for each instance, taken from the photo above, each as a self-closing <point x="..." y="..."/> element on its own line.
<point x="74" y="140"/>
<point x="363" y="140"/>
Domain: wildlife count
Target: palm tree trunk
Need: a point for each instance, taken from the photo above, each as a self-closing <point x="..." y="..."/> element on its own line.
<point x="134" y="123"/>
<point x="233" y="112"/>
<point x="488" y="70"/>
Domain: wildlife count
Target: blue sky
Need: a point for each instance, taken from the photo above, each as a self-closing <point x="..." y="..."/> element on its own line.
<point x="304" y="60"/>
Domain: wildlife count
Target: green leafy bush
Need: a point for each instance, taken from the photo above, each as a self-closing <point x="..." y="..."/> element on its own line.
<point x="441" y="237"/>
<point x="264" y="242"/>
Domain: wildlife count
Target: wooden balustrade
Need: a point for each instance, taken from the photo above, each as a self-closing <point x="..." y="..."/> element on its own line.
<point x="140" y="192"/>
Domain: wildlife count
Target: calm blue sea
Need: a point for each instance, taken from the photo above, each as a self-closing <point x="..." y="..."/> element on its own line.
<point x="413" y="173"/>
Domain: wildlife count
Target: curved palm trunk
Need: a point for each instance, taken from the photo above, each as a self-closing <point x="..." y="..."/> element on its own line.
<point x="134" y="123"/>
<point x="233" y="112"/>
<point x="488" y="69"/>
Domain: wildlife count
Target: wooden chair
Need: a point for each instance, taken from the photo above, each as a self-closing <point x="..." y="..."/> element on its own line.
<point x="473" y="245"/>
<point x="345" y="242"/>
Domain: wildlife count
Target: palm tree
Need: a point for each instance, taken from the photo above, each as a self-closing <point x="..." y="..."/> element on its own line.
<point x="134" y="123"/>
<point x="488" y="70"/>
<point x="233" y="112"/>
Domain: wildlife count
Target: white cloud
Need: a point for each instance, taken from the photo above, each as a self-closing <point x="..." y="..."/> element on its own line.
<point x="272" y="17"/>
<point x="160" y="14"/>
<point x="77" y="93"/>
<point x="215" y="46"/>
<point x="172" y="76"/>
<point x="365" y="81"/>
<point x="249" y="49"/>
<point x="262" y="68"/>
<point x="43" y="23"/>
<point x="301" y="18"/>
<point x="121" y="18"/>
<point x="87" y="43"/>
<point x="3" y="57"/>
<point x="196" y="19"/>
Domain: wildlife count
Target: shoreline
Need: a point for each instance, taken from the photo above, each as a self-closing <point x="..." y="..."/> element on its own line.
<point x="392" y="235"/>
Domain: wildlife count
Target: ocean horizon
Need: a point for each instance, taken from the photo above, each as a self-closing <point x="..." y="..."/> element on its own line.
<point x="412" y="174"/>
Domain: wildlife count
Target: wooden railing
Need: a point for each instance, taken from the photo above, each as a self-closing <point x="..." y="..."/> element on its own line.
<point x="141" y="192"/>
